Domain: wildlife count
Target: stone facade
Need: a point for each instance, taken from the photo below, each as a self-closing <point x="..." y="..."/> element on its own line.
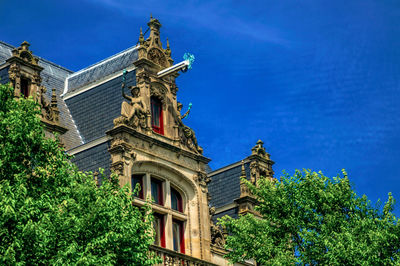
<point x="121" y="115"/>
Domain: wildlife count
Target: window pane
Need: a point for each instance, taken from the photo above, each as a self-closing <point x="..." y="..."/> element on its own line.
<point x="176" y="200"/>
<point x="158" y="225"/>
<point x="138" y="179"/>
<point x="156" y="191"/>
<point x="156" y="115"/>
<point x="24" y="87"/>
<point x="178" y="236"/>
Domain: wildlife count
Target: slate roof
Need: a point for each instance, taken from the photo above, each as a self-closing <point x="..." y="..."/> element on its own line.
<point x="101" y="69"/>
<point x="94" y="158"/>
<point x="94" y="110"/>
<point x="224" y="187"/>
<point x="53" y="76"/>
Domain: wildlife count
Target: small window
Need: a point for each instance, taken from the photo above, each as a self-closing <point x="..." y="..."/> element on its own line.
<point x="156" y="191"/>
<point x="178" y="236"/>
<point x="138" y="179"/>
<point x="176" y="200"/>
<point x="157" y="116"/>
<point x="25" y="87"/>
<point x="159" y="230"/>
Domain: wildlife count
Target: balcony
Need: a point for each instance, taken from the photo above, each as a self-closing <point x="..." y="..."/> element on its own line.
<point x="172" y="258"/>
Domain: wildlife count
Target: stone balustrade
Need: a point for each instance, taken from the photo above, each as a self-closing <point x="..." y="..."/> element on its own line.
<point x="172" y="258"/>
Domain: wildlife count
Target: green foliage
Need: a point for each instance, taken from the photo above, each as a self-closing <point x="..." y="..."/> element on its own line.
<point x="311" y="219"/>
<point x="52" y="214"/>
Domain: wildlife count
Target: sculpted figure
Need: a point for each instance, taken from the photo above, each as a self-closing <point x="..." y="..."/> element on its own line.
<point x="187" y="131"/>
<point x="135" y="111"/>
<point x="217" y="236"/>
<point x="46" y="107"/>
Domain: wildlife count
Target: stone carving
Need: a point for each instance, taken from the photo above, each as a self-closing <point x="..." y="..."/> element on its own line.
<point x="49" y="110"/>
<point x="122" y="154"/>
<point x="202" y="179"/>
<point x="186" y="134"/>
<point x="25" y="54"/>
<point x="157" y="57"/>
<point x="217" y="235"/>
<point x="254" y="172"/>
<point x="135" y="112"/>
<point x="118" y="168"/>
<point x="259" y="149"/>
<point x="14" y="72"/>
<point x="159" y="91"/>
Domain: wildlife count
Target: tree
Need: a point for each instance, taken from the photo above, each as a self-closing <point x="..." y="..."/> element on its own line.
<point x="50" y="213"/>
<point x="311" y="219"/>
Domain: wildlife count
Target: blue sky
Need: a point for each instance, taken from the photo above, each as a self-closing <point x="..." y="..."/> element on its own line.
<point x="317" y="81"/>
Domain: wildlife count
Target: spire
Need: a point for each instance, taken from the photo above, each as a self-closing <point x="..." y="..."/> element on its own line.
<point x="243" y="172"/>
<point x="244" y="190"/>
<point x="141" y="37"/>
<point x="168" y="50"/>
<point x="154" y="26"/>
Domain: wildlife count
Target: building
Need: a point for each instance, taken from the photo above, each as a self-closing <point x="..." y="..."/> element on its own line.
<point x="142" y="138"/>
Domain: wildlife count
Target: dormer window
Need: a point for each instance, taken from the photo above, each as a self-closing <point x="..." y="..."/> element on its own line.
<point x="157" y="116"/>
<point x="25" y="87"/>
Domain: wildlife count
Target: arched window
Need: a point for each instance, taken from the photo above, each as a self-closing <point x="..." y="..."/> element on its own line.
<point x="157" y="115"/>
<point x="176" y="200"/>
<point x="170" y="196"/>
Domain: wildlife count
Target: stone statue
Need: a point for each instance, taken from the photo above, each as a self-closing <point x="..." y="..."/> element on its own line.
<point x="47" y="111"/>
<point x="134" y="113"/>
<point x="187" y="131"/>
<point x="217" y="236"/>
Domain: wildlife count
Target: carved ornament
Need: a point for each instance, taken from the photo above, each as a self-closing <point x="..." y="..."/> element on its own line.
<point x="158" y="90"/>
<point x="217" y="234"/>
<point x="202" y="179"/>
<point x="158" y="57"/>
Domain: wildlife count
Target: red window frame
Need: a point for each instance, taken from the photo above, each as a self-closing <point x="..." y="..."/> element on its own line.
<point x="161" y="229"/>
<point x="138" y="179"/>
<point x="156" y="106"/>
<point x="155" y="183"/>
<point x="181" y="236"/>
<point x="174" y="192"/>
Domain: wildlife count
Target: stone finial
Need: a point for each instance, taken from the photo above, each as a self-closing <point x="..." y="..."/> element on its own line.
<point x="154" y="37"/>
<point x="25" y="46"/>
<point x="168" y="50"/>
<point x="243" y="172"/>
<point x="141" y="37"/>
<point x="244" y="190"/>
<point x="259" y="150"/>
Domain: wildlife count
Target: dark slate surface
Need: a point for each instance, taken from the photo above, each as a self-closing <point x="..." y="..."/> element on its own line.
<point x="232" y="213"/>
<point x="224" y="187"/>
<point x="4" y="76"/>
<point x="5" y="51"/>
<point x="94" y="110"/>
<point x="94" y="158"/>
<point x="102" y="69"/>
